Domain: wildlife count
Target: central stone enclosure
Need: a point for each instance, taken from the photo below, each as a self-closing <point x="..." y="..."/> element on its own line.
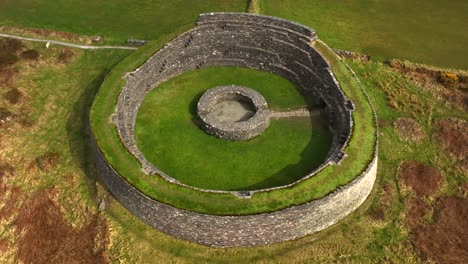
<point x="233" y="112"/>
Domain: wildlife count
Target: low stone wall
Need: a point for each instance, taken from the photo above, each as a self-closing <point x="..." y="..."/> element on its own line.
<point x="240" y="231"/>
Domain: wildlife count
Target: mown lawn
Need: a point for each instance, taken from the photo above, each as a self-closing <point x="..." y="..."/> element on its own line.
<point x="431" y="32"/>
<point x="284" y="153"/>
<point x="115" y="20"/>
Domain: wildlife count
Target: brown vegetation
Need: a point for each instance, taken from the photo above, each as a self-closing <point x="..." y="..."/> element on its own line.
<point x="46" y="236"/>
<point x="453" y="136"/>
<point x="417" y="209"/>
<point x="8" y="51"/>
<point x="13" y="96"/>
<point x="47" y="161"/>
<point x="408" y="129"/>
<point x="423" y="179"/>
<point x="45" y="33"/>
<point x="66" y="55"/>
<point x="5" y="116"/>
<point x="30" y="54"/>
<point x="449" y="86"/>
<point x="7" y="76"/>
<point x="446" y="240"/>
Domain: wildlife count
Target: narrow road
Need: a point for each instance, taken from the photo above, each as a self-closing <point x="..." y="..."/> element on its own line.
<point x="66" y="43"/>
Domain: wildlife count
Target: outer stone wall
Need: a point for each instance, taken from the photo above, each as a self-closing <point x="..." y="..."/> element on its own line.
<point x="240" y="231"/>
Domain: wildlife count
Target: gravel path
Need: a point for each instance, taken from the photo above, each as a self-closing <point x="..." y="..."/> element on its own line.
<point x="66" y="43"/>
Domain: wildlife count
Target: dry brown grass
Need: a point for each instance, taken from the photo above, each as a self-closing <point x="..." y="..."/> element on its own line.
<point x="453" y="136"/>
<point x="408" y="129"/>
<point x="66" y="55"/>
<point x="423" y="179"/>
<point x="446" y="240"/>
<point x="31" y="54"/>
<point x="47" y="161"/>
<point x="13" y="96"/>
<point x="46" y="237"/>
<point x="450" y="86"/>
<point x="417" y="210"/>
<point x="45" y="33"/>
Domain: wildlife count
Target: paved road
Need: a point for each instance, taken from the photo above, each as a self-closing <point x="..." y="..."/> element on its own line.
<point x="66" y="43"/>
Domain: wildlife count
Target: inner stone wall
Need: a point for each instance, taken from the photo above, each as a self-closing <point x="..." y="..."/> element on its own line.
<point x="244" y="40"/>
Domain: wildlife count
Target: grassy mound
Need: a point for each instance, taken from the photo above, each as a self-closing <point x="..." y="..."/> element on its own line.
<point x="170" y="139"/>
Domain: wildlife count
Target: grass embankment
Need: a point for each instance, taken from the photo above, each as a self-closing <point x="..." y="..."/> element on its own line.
<point x="116" y="21"/>
<point x="422" y="31"/>
<point x="360" y="151"/>
<point x="168" y="136"/>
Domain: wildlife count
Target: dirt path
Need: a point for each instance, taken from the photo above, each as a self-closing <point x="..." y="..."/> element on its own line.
<point x="66" y="43"/>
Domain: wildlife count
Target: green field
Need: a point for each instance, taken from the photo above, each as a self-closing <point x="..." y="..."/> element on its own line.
<point x="169" y="138"/>
<point x="51" y="116"/>
<point x="431" y="32"/>
<point x="116" y="20"/>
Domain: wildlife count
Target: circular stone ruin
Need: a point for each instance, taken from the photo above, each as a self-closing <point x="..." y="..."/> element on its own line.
<point x="252" y="41"/>
<point x="233" y="112"/>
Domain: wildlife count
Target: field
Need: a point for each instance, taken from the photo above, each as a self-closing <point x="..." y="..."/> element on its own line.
<point x="168" y="136"/>
<point x="115" y="21"/>
<point x="421" y="31"/>
<point x="53" y="208"/>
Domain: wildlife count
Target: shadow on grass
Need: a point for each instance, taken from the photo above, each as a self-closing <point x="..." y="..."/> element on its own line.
<point x="311" y="157"/>
<point x="78" y="131"/>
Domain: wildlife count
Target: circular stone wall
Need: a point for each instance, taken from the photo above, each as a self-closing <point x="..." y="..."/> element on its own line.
<point x="253" y="41"/>
<point x="248" y="117"/>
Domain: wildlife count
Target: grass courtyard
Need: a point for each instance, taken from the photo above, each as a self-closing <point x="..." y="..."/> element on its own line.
<point x="168" y="136"/>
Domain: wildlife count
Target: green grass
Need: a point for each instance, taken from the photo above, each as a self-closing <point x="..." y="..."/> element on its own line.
<point x="57" y="99"/>
<point x="115" y="20"/>
<point x="169" y="138"/>
<point x="360" y="151"/>
<point x="431" y="32"/>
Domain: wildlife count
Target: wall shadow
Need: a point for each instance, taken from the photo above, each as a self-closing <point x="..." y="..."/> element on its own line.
<point x="295" y="172"/>
<point x="78" y="132"/>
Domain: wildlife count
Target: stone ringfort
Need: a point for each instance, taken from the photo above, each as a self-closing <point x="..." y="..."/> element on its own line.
<point x="259" y="42"/>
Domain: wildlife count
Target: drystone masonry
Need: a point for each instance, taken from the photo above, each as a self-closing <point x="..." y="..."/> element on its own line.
<point x="259" y="42"/>
<point x="245" y="40"/>
<point x="240" y="231"/>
